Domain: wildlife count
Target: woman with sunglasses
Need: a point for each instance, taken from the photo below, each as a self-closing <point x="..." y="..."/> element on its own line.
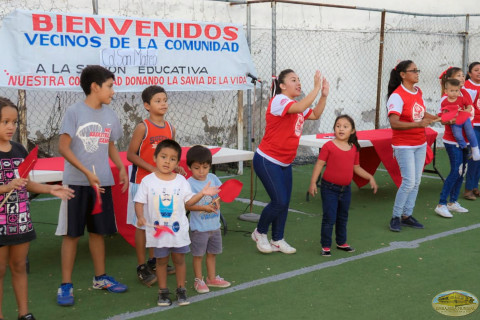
<point x="408" y="119"/>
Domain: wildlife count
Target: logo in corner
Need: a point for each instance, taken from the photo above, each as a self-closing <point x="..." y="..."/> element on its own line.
<point x="455" y="303"/>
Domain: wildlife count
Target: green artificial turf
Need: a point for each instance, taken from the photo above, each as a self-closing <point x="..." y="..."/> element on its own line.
<point x="394" y="285"/>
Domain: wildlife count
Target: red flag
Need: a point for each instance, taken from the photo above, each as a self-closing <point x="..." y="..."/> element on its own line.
<point x="97" y="207"/>
<point x="230" y="189"/>
<point x="161" y="229"/>
<point x="28" y="163"/>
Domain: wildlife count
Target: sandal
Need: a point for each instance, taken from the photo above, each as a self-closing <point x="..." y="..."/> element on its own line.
<point x="469" y="195"/>
<point x="476" y="192"/>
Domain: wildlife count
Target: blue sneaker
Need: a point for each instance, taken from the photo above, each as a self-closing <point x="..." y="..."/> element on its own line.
<point x="395" y="224"/>
<point x="108" y="283"/>
<point x="65" y="295"/>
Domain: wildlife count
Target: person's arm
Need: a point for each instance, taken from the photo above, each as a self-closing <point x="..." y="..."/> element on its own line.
<point x="318" y="110"/>
<point x="55" y="190"/>
<point x="317" y="169"/>
<point x="132" y="156"/>
<point x="207" y="208"/>
<point x="431" y="116"/>
<point x="139" y="212"/>
<point x="113" y="154"/>
<point x="206" y="191"/>
<point x="306" y="102"/>
<point x="15" y="184"/>
<point x="359" y="171"/>
<point x="65" y="151"/>
<point x="397" y="124"/>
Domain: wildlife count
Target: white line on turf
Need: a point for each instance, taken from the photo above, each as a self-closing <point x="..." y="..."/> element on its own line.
<point x="286" y="275"/>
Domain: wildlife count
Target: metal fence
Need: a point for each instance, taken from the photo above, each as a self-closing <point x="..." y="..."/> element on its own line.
<point x="355" y="59"/>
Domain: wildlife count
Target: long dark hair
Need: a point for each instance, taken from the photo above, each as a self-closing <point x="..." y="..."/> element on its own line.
<point x="280" y="79"/>
<point x="470" y="68"/>
<point x="352" y="140"/>
<point x="447" y="74"/>
<point x="395" y="79"/>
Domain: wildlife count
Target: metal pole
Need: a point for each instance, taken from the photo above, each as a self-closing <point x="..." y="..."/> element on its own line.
<point x="274" y="38"/>
<point x="249" y="92"/>
<point x="380" y="68"/>
<point x="95" y="6"/>
<point x="466" y="41"/>
<point x="240" y="126"/>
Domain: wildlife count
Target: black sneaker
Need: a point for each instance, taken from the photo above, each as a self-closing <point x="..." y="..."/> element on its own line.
<point x="326" y="252"/>
<point x="395" y="224"/>
<point x="346" y="248"/>
<point x="182" y="299"/>
<point x="164" y="298"/>
<point x="411" y="222"/>
<point x="152" y="264"/>
<point x="145" y="275"/>
<point x="27" y="316"/>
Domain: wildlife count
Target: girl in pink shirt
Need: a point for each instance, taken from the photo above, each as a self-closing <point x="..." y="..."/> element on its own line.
<point x="341" y="157"/>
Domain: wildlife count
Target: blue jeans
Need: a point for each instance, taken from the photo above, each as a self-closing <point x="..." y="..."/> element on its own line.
<point x="411" y="162"/>
<point x="453" y="183"/>
<point x="469" y="132"/>
<point x="335" y="203"/>
<point x="473" y="169"/>
<point x="277" y="181"/>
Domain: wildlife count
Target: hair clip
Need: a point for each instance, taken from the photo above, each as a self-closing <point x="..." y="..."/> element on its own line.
<point x="444" y="72"/>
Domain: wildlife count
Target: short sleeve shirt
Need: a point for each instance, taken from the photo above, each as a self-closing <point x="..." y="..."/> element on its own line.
<point x="204" y="221"/>
<point x="91" y="131"/>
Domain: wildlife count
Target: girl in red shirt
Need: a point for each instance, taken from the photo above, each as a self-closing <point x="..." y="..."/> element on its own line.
<point x="341" y="157"/>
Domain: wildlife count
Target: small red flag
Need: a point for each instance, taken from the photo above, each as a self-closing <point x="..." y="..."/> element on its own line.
<point x="230" y="189"/>
<point x="97" y="207"/>
<point x="28" y="163"/>
<point x="161" y="229"/>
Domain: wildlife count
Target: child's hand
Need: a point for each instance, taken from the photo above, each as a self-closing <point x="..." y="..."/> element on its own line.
<point x="93" y="179"/>
<point x="181" y="170"/>
<point x="17" y="184"/>
<point x="209" y="191"/>
<point x="210" y="207"/>
<point x="61" y="192"/>
<point x="373" y="185"/>
<point x="313" y="189"/>
<point x="141" y="221"/>
<point x="123" y="176"/>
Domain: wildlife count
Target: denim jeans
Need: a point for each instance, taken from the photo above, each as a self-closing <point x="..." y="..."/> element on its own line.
<point x="473" y="168"/>
<point x="277" y="181"/>
<point x="453" y="183"/>
<point x="335" y="203"/>
<point x="411" y="162"/>
<point x="457" y="131"/>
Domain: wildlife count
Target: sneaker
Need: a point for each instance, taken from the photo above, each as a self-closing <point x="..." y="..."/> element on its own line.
<point x="411" y="222"/>
<point x="145" y="275"/>
<point x="108" y="283"/>
<point x="262" y="241"/>
<point x="326" y="252"/>
<point x="182" y="299"/>
<point x="164" y="298"/>
<point x="282" y="246"/>
<point x="200" y="286"/>
<point x="442" y="210"/>
<point x="345" y="247"/>
<point x="218" y="282"/>
<point x="395" y="224"/>
<point x="456" y="207"/>
<point x="152" y="264"/>
<point x="27" y="316"/>
<point x="65" y="295"/>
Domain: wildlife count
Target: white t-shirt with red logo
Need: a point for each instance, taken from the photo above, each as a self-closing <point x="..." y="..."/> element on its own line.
<point x="410" y="107"/>
<point x="282" y="132"/>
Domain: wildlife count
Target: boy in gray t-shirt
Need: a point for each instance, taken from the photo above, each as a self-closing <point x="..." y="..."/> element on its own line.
<point x="87" y="137"/>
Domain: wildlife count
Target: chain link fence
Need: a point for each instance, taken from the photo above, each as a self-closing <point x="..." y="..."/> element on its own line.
<point x="347" y="54"/>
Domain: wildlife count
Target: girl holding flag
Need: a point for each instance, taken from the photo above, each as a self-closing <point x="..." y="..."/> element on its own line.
<point x="16" y="228"/>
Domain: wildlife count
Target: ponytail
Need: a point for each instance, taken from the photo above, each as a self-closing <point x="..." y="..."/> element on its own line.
<point x="276" y="81"/>
<point x="395" y="79"/>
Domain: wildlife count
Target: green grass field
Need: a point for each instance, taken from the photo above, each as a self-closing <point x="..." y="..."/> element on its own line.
<point x="399" y="283"/>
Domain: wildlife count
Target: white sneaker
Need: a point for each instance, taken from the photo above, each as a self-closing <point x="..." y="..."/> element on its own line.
<point x="282" y="246"/>
<point x="456" y="207"/>
<point x="262" y="241"/>
<point x="442" y="210"/>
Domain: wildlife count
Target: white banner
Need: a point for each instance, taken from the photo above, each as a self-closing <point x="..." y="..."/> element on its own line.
<point x="44" y="50"/>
